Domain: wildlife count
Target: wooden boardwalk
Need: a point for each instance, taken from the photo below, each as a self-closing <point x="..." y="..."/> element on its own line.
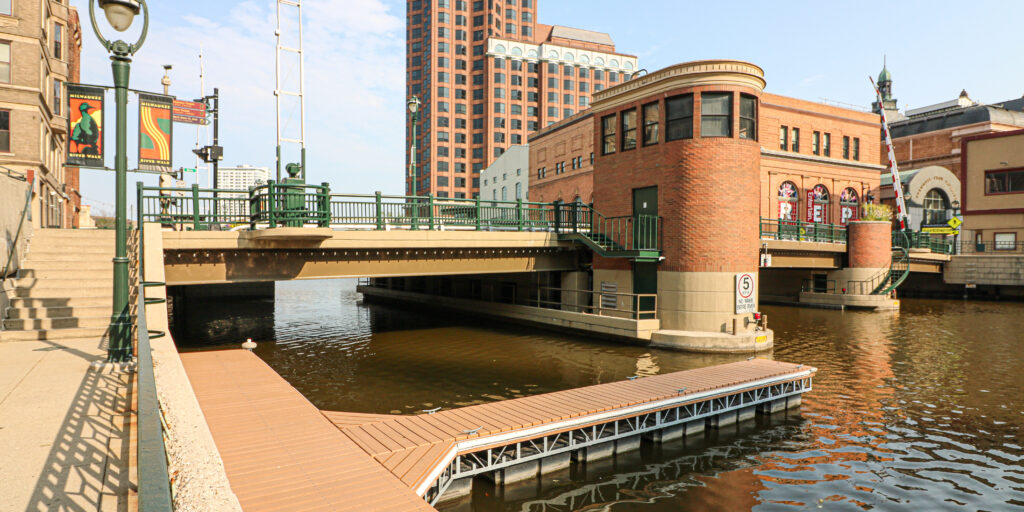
<point x="280" y="452"/>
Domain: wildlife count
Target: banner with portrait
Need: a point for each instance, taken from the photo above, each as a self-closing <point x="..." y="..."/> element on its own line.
<point x="85" y="125"/>
<point x="155" y="132"/>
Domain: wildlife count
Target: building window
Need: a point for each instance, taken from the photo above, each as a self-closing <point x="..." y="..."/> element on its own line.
<point x="1006" y="241"/>
<point x="748" y="117"/>
<point x="629" y="129"/>
<point x="816" y="143"/>
<point x="608" y="135"/>
<point x="679" y="117"/>
<point x="519" y="190"/>
<point x="5" y="131"/>
<point x="856" y="148"/>
<point x="936" y="208"/>
<point x="1004" y="182"/>
<point x="784" y="138"/>
<point x="848" y="207"/>
<point x="789" y="202"/>
<point x="57" y="88"/>
<point x="846" y="148"/>
<point x="817" y="210"/>
<point x="794" y="139"/>
<point x="652" y="116"/>
<point x="5" y="62"/>
<point x="58" y="39"/>
<point x="716" y="114"/>
<point x="827" y="145"/>
<point x="504" y="193"/>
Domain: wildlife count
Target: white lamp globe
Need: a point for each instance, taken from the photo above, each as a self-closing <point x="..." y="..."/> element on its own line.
<point x="120" y="13"/>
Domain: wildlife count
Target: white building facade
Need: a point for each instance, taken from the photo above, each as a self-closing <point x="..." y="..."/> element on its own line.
<point x="507" y="179"/>
<point x="240" y="178"/>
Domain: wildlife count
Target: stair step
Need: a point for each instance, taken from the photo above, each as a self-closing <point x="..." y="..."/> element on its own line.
<point x="74" y="233"/>
<point x="65" y="292"/>
<point x="65" y="272"/>
<point x="67" y="322"/>
<point x="54" y="334"/>
<point x="105" y="299"/>
<point x="76" y="255"/>
<point x="47" y="284"/>
<point x="47" y="265"/>
<point x="58" y="311"/>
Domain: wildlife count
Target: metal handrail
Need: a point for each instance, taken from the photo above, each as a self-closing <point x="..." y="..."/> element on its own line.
<point x="636" y="312"/>
<point x="809" y="285"/>
<point x="17" y="235"/>
<point x="155" y="493"/>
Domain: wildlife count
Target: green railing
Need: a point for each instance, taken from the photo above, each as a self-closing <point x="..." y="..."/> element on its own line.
<point x="918" y="240"/>
<point x="155" y="493"/>
<point x="289" y="205"/>
<point x="798" y="230"/>
<point x="428" y="212"/>
<point x="624" y="236"/>
<point x="296" y="205"/>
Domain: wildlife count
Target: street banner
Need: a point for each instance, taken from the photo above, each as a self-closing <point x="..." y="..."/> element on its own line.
<point x="191" y="112"/>
<point x="155" y="132"/>
<point x="85" y="125"/>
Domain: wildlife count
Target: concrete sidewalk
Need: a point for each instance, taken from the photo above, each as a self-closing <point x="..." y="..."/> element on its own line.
<point x="67" y="432"/>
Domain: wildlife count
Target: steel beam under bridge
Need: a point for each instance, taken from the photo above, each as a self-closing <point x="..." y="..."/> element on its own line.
<point x="210" y="257"/>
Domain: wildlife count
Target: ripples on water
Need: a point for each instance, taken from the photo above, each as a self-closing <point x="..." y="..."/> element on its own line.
<point x="920" y="409"/>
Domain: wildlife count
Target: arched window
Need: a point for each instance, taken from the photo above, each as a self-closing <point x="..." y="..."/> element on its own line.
<point x="532" y="54"/>
<point x="568" y="57"/>
<point x="517" y="52"/>
<point x="499" y="49"/>
<point x="614" y="63"/>
<point x="599" y="61"/>
<point x="936" y="208"/>
<point x="584" y="59"/>
<point x="629" y="66"/>
<point x="552" y="54"/>
<point x="789" y="200"/>
<point x="817" y="204"/>
<point x="848" y="206"/>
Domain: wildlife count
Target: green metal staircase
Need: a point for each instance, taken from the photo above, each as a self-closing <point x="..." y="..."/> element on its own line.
<point x="899" y="270"/>
<point x="637" y="238"/>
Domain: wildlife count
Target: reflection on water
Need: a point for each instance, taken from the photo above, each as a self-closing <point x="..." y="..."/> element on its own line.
<point x="922" y="409"/>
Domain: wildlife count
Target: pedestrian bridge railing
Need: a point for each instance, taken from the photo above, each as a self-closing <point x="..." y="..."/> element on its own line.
<point x="274" y="205"/>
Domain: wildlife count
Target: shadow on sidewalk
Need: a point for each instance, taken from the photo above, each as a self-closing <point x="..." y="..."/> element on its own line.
<point x="87" y="468"/>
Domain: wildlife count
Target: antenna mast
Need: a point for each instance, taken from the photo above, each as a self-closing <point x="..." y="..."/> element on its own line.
<point x="295" y="8"/>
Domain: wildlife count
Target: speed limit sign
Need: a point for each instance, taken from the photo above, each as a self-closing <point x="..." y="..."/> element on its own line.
<point x="746" y="288"/>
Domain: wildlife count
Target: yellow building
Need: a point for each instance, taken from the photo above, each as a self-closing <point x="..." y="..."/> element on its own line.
<point x="993" y="192"/>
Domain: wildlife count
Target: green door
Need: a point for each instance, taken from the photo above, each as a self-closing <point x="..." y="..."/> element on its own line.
<point x="645" y="215"/>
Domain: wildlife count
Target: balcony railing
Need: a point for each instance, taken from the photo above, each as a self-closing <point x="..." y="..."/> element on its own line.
<point x="798" y="230"/>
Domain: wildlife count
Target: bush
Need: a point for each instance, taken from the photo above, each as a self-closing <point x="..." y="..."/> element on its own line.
<point x="876" y="212"/>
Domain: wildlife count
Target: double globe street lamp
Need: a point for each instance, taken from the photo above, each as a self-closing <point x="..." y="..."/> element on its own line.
<point x="120" y="14"/>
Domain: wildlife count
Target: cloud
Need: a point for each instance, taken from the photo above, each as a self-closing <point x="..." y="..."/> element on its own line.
<point x="354" y="82"/>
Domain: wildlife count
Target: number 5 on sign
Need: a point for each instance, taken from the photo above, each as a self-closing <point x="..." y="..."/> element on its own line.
<point x="746" y="287"/>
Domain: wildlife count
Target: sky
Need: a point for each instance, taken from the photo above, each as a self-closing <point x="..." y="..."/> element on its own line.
<point x="355" y="66"/>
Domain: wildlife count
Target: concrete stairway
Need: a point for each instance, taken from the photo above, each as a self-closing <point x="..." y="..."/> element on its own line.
<point x="65" y="287"/>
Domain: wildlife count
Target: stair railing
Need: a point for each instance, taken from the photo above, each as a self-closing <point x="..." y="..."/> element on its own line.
<point x="17" y="235"/>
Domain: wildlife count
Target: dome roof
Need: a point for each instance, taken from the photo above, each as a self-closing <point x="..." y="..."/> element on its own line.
<point x="884" y="76"/>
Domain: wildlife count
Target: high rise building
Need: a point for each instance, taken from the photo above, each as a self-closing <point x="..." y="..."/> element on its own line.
<point x="242" y="177"/>
<point x="488" y="75"/>
<point x="40" y="45"/>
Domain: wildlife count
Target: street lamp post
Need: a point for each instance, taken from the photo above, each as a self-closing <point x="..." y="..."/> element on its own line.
<point x="120" y="14"/>
<point x="414" y="108"/>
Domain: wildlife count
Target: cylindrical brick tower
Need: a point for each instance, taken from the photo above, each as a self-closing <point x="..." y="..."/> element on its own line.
<point x="869" y="244"/>
<point x="697" y="143"/>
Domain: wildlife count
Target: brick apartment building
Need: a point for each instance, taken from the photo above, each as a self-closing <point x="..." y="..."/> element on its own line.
<point x="816" y="161"/>
<point x="40" y="47"/>
<point x="488" y="74"/>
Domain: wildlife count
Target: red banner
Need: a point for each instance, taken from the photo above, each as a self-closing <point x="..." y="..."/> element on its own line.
<point x="192" y="112"/>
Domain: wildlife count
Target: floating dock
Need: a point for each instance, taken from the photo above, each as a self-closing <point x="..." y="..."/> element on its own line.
<point x="279" y="451"/>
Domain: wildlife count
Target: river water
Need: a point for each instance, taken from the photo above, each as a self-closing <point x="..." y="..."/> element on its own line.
<point x="917" y="410"/>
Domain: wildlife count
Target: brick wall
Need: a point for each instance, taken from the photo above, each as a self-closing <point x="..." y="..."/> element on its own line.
<point x="707" y="190"/>
<point x="557" y="144"/>
<point x="869" y="244"/>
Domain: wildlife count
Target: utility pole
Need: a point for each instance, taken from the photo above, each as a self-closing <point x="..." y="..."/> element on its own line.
<point x="212" y="154"/>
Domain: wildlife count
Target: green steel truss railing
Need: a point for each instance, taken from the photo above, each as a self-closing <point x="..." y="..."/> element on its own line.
<point x="295" y="205"/>
<point x="798" y="230"/>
